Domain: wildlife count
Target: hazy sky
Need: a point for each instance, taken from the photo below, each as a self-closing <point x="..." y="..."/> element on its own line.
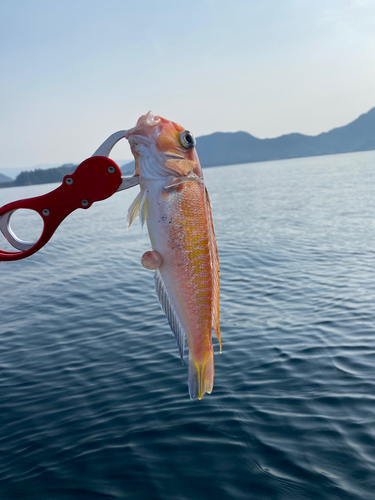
<point x="73" y="72"/>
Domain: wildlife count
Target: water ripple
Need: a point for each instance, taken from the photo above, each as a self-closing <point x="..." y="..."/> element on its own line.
<point x="93" y="395"/>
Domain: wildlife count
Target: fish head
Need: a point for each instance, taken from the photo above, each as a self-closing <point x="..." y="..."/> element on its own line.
<point x="162" y="148"/>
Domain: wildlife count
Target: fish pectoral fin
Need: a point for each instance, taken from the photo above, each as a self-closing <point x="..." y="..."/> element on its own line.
<point x="138" y="207"/>
<point x="175" y="181"/>
<point x="169" y="311"/>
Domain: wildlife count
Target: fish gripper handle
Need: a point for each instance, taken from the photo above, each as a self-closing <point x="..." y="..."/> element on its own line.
<point x="95" y="179"/>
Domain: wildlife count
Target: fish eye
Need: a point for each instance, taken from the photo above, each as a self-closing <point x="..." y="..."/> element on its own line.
<point x="187" y="139"/>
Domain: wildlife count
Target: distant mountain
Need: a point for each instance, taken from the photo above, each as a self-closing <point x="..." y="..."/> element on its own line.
<point x="41" y="176"/>
<point x="226" y="148"/>
<point x="44" y="166"/>
<point x="5" y="178"/>
<point x="48" y="175"/>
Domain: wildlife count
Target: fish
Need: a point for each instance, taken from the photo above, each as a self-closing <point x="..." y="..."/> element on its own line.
<point x="174" y="203"/>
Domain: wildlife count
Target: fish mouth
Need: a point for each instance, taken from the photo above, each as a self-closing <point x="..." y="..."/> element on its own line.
<point x="145" y="130"/>
<point x="148" y="119"/>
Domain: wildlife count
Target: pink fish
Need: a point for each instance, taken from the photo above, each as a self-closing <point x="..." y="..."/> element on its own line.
<point x="174" y="202"/>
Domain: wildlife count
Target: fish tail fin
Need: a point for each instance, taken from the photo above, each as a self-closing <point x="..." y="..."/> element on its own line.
<point x="201" y="376"/>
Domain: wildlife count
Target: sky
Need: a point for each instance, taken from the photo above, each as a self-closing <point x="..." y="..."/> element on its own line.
<point x="74" y="72"/>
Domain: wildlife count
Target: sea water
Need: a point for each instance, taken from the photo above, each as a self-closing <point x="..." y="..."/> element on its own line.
<point x="93" y="395"/>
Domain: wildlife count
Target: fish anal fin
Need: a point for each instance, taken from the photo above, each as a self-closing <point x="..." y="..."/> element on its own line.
<point x="166" y="305"/>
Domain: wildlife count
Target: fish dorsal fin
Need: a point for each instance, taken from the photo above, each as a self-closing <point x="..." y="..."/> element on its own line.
<point x="139" y="206"/>
<point x="216" y="272"/>
<point x="169" y="311"/>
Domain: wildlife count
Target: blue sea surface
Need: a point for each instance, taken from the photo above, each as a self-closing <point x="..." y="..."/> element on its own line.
<point x="93" y="395"/>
